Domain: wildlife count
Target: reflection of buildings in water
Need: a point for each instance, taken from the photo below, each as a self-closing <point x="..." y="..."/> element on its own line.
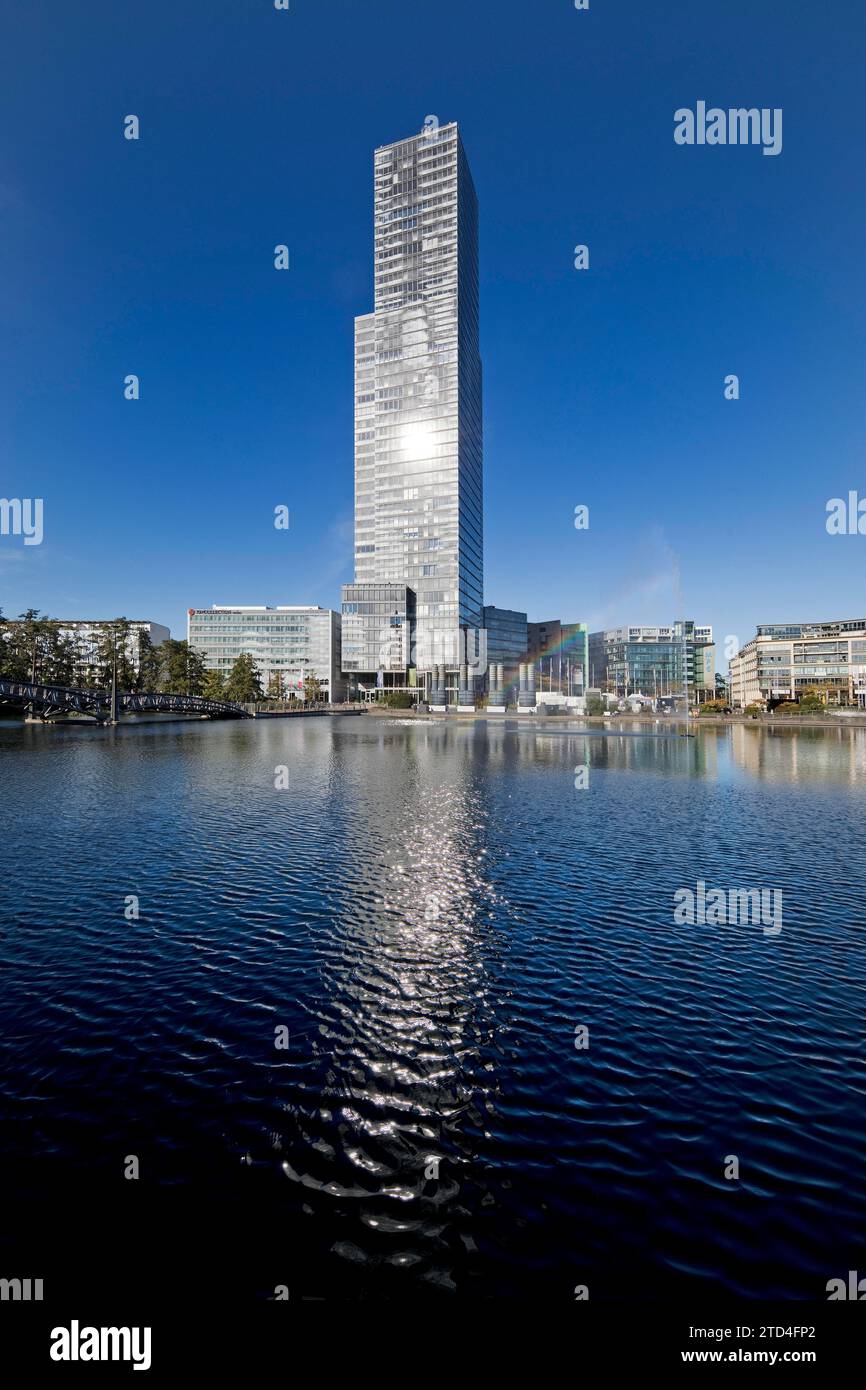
<point x="640" y="751"/>
<point x="407" y="1023"/>
<point x="834" y="754"/>
<point x="745" y="748"/>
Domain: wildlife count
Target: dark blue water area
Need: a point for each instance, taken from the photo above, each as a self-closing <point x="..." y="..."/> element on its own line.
<point x="429" y="915"/>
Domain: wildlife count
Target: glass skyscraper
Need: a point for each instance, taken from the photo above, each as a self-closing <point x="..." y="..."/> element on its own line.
<point x="418" y="431"/>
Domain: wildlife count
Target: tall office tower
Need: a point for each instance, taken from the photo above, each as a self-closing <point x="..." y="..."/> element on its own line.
<point x="418" y="433"/>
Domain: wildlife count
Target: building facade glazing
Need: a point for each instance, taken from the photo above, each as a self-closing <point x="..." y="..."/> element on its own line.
<point x="377" y="626"/>
<point x="559" y="652"/>
<point x="656" y="662"/>
<point x="418" y="426"/>
<point x="506" y="630"/>
<point x="287" y="643"/>
<point x="783" y="660"/>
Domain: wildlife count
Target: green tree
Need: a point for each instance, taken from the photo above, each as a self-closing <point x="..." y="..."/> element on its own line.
<point x="29" y="630"/>
<point x="115" y="636"/>
<point x="595" y="705"/>
<point x="814" y="699"/>
<point x="313" y="692"/>
<point x="37" y="642"/>
<point x="214" y="687"/>
<point x="277" y="686"/>
<point x="398" y="699"/>
<point x="172" y="667"/>
<point x="710" y="707"/>
<point x="244" y="683"/>
<point x="58" y="658"/>
<point x="33" y="645"/>
<point x="181" y="668"/>
<point x="149" y="664"/>
<point x="195" y="672"/>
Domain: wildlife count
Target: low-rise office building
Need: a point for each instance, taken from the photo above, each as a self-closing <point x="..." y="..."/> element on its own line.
<point x="658" y="662"/>
<point x="506" y="630"/>
<point x="784" y="660"/>
<point x="287" y="645"/>
<point x="560" y="654"/>
<point x="381" y="650"/>
<point x="378" y="624"/>
<point x="507" y="643"/>
<point x="384" y="648"/>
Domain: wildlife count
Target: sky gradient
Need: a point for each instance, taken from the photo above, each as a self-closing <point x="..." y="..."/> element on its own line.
<point x="603" y="387"/>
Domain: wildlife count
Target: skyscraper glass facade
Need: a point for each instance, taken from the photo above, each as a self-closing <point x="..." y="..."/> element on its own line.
<point x="418" y="429"/>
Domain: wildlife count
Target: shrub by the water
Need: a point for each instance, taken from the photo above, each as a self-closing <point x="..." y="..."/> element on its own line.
<point x="399" y="699"/>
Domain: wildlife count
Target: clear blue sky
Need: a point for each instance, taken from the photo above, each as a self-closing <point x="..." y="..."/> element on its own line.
<point x="602" y="387"/>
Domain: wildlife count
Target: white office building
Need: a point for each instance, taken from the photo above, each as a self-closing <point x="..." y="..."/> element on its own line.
<point x="784" y="660"/>
<point x="287" y="645"/>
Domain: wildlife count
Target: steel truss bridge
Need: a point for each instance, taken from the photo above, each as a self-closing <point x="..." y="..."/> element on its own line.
<point x="107" y="706"/>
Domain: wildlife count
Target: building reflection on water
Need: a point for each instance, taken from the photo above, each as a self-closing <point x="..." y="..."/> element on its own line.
<point x="836" y="755"/>
<point x="632" y="747"/>
<point x="404" y="1044"/>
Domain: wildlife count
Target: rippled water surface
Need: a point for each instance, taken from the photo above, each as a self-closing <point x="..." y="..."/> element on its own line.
<point x="431" y="911"/>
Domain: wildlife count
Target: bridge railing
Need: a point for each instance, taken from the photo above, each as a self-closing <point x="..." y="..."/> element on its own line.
<point x="56" y="698"/>
<point x="189" y="704"/>
<point x="59" y="696"/>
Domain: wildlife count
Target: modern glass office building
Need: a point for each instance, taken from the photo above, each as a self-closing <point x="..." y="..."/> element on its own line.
<point x="658" y="662"/>
<point x="506" y="643"/>
<point x="418" y="429"/>
<point x="560" y="654"/>
<point x="286" y="644"/>
<point x="506" y="630"/>
<point x="377" y="626"/>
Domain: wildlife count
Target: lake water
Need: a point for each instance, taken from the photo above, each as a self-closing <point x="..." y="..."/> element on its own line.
<point x="432" y="911"/>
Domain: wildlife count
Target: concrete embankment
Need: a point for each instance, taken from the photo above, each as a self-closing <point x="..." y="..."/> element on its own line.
<point x="766" y="721"/>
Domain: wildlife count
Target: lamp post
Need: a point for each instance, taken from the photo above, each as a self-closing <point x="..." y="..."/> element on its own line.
<point x="31" y="708"/>
<point x="114" y="717"/>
